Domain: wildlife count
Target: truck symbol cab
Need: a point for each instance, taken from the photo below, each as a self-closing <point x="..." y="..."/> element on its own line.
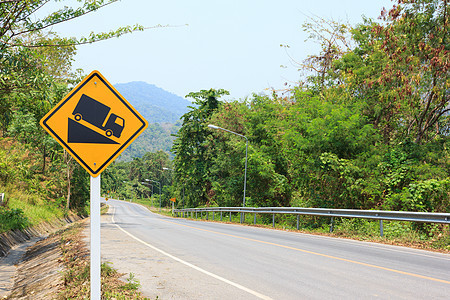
<point x="95" y="113"/>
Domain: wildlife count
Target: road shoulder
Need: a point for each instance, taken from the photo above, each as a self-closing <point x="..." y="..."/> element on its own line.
<point x="160" y="276"/>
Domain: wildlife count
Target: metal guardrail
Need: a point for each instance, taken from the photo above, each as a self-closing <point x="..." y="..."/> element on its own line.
<point x="443" y="218"/>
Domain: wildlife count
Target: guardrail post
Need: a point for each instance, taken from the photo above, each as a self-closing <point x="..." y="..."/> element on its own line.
<point x="298" y="221"/>
<point x="195" y="214"/>
<point x="230" y="216"/>
<point x="332" y="224"/>
<point x="220" y="216"/>
<point x="273" y="220"/>
<point x="254" y="219"/>
<point x="381" y="228"/>
<point x="207" y="214"/>
<point x="213" y="216"/>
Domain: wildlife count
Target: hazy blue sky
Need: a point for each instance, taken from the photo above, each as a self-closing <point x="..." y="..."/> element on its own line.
<point x="234" y="44"/>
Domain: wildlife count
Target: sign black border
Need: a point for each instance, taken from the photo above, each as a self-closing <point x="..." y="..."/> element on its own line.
<point x="122" y="147"/>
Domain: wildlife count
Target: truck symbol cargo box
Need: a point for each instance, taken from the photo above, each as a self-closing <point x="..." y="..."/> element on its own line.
<point x="95" y="113"/>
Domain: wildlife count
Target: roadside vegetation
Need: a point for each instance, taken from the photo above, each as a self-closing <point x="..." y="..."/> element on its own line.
<point x="367" y="127"/>
<point x="30" y="196"/>
<point x="41" y="182"/>
<point x="76" y="276"/>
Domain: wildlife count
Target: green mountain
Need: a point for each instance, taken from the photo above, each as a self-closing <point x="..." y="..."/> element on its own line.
<point x="161" y="109"/>
<point x="153" y="103"/>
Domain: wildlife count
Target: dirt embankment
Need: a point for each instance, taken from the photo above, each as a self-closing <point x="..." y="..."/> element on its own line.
<point x="13" y="238"/>
<point x="15" y="247"/>
<point x="38" y="275"/>
<point x="57" y="267"/>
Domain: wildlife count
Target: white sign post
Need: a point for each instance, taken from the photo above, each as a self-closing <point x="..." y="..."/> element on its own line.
<point x="95" y="238"/>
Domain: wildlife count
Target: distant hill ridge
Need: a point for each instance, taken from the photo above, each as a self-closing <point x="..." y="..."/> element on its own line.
<point x="161" y="109"/>
<point x="155" y="104"/>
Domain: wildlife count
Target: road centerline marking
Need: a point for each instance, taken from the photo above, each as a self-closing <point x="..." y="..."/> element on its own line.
<point x="243" y="288"/>
<point x="315" y="253"/>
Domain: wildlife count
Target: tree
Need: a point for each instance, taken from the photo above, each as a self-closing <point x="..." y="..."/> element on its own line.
<point x="35" y="74"/>
<point x="334" y="39"/>
<point x="401" y="70"/>
<point x="259" y="119"/>
<point x="31" y="57"/>
<point x="150" y="166"/>
<point x="125" y="179"/>
<point x="21" y="28"/>
<point x="191" y="164"/>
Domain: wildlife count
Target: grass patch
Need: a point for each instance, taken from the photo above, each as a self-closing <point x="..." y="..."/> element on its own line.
<point x="77" y="274"/>
<point x="32" y="198"/>
<point x="34" y="208"/>
<point x="25" y="209"/>
<point x="132" y="283"/>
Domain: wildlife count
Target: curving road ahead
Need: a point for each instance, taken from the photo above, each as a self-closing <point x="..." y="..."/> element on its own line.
<point x="183" y="259"/>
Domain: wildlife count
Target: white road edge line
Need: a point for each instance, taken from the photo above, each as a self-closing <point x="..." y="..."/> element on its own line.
<point x="254" y="293"/>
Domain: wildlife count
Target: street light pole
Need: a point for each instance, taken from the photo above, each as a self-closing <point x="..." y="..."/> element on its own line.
<point x="246" y="150"/>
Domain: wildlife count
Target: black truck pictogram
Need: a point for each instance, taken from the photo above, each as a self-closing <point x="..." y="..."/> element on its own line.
<point x="95" y="113"/>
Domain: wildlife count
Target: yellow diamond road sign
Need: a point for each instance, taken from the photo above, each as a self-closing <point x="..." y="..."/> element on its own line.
<point x="94" y="123"/>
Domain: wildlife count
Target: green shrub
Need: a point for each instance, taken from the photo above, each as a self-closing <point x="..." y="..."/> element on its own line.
<point x="132" y="283"/>
<point x="11" y="219"/>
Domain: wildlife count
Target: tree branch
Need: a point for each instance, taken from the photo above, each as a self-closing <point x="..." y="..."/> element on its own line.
<point x="68" y="18"/>
<point x="93" y="39"/>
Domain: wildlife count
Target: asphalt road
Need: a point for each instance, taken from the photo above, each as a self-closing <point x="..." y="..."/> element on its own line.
<point x="184" y="259"/>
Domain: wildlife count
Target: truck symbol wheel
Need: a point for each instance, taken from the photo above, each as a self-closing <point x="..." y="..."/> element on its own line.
<point x="109" y="132"/>
<point x="78" y="117"/>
